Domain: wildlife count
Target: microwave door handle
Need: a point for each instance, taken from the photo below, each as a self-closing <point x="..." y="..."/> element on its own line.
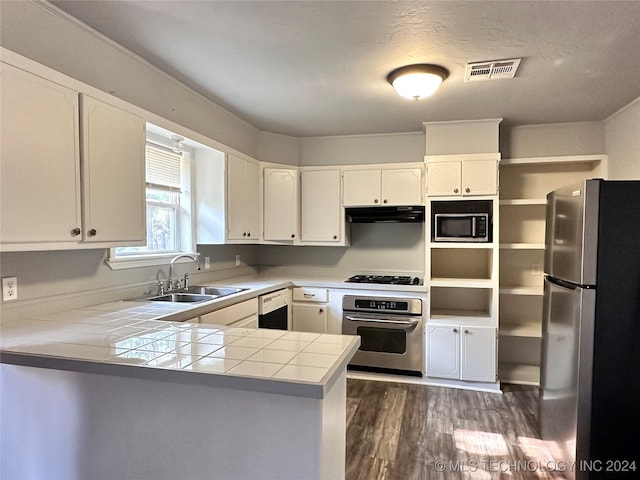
<point x="474" y="227"/>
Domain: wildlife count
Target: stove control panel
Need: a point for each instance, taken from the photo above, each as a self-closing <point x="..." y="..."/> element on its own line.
<point x="399" y="305"/>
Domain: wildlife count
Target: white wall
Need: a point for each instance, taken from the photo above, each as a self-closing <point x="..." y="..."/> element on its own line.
<point x="276" y="148"/>
<point x="355" y="149"/>
<point x="375" y="248"/>
<point x="553" y="139"/>
<point x="623" y="142"/>
<point x="42" y="33"/>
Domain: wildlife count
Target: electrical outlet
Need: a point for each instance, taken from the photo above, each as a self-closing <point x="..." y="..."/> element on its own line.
<point x="237" y="260"/>
<point x="207" y="263"/>
<point x="9" y="288"/>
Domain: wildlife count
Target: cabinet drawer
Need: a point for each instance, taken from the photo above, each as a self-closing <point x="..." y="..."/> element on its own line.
<point x="304" y="294"/>
<point x="229" y="315"/>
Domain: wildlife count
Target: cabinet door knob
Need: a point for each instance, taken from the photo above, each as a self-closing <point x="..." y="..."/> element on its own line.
<point x="455" y="190"/>
<point x="466" y="331"/>
<point x="375" y="200"/>
<point x="385" y="201"/>
<point x="293" y="235"/>
<point x="455" y="330"/>
<point x="320" y="310"/>
<point x="244" y="234"/>
<point x="92" y="233"/>
<point x="468" y="190"/>
<point x="335" y="237"/>
<point x="248" y="234"/>
<point x="75" y="232"/>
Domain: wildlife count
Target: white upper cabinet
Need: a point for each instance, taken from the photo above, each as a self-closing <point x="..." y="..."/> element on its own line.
<point x="113" y="168"/>
<point x="361" y="187"/>
<point x="479" y="177"/>
<point x="243" y="200"/>
<point x="46" y="204"/>
<point x="462" y="177"/>
<point x="40" y="181"/>
<point x="444" y="178"/>
<point x="322" y="217"/>
<point x="280" y="204"/>
<point x="392" y="186"/>
<point x="402" y="186"/>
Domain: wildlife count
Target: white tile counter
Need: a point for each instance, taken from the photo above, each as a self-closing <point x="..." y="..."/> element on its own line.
<point x="112" y="338"/>
<point x="118" y="393"/>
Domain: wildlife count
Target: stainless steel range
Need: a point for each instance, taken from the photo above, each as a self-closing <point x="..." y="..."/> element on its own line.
<point x="390" y="330"/>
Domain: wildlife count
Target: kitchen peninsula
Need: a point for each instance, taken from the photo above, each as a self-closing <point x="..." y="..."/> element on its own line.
<point x="118" y="390"/>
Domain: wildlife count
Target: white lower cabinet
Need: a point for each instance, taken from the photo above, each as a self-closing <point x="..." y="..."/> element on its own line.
<point x="461" y="352"/>
<point x="309" y="310"/>
<point x="241" y="314"/>
<point x="310" y="318"/>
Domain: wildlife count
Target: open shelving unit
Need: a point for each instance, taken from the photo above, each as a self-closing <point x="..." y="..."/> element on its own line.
<point x="524" y="184"/>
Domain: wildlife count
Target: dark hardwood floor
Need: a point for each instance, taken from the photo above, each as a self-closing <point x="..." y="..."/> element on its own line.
<point x="398" y="431"/>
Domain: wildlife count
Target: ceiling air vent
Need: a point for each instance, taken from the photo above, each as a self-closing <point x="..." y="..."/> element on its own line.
<point x="492" y="70"/>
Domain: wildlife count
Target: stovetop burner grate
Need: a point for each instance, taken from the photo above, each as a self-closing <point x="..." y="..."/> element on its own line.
<point x="385" y="279"/>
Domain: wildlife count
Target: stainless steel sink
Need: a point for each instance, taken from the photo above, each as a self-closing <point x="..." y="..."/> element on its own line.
<point x="216" y="291"/>
<point x="196" y="294"/>
<point x="182" y="297"/>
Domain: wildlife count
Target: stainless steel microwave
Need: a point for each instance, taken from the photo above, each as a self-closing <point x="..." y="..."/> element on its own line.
<point x="461" y="227"/>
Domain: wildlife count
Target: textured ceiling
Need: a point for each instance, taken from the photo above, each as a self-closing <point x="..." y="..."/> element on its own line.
<point x="309" y="68"/>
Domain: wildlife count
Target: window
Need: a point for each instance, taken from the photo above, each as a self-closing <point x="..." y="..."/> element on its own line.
<point x="164" y="186"/>
<point x="168" y="202"/>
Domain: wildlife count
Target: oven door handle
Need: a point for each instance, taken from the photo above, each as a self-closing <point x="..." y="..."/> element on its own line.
<point x="410" y="323"/>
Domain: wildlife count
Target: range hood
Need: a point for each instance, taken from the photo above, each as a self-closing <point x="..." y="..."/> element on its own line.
<point x="385" y="214"/>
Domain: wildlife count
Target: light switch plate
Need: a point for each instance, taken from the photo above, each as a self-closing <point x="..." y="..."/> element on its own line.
<point x="9" y="288"/>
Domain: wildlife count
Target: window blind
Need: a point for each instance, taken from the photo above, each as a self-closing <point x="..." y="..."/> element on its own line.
<point x="163" y="168"/>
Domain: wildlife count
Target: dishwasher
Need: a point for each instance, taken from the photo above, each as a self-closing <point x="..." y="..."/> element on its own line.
<point x="274" y="310"/>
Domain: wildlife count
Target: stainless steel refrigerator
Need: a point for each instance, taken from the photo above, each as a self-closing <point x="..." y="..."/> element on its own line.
<point x="590" y="369"/>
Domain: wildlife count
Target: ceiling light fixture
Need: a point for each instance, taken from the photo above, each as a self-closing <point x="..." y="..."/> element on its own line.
<point x="417" y="81"/>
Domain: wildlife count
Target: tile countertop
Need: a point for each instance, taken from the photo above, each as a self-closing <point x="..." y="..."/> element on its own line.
<point x="146" y="339"/>
<point x="127" y="338"/>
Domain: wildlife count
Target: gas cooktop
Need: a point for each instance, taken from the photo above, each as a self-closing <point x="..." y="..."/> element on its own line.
<point x="384" y="279"/>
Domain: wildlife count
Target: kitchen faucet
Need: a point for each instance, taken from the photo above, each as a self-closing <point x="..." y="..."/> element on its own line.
<point x="176" y="285"/>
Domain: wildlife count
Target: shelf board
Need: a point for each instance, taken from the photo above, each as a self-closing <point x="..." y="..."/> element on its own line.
<point x="556" y="160"/>
<point x="530" y="330"/>
<point x="522" y="246"/>
<point x="469" y="245"/>
<point x="521" y="290"/>
<point x="456" y="315"/>
<point x="524" y="201"/>
<point x="519" y="373"/>
<point x="461" y="282"/>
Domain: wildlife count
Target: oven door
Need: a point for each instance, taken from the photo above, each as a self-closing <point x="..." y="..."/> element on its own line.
<point x="386" y="341"/>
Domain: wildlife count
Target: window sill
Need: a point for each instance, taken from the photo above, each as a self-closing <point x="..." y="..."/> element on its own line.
<point x="142" y="261"/>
